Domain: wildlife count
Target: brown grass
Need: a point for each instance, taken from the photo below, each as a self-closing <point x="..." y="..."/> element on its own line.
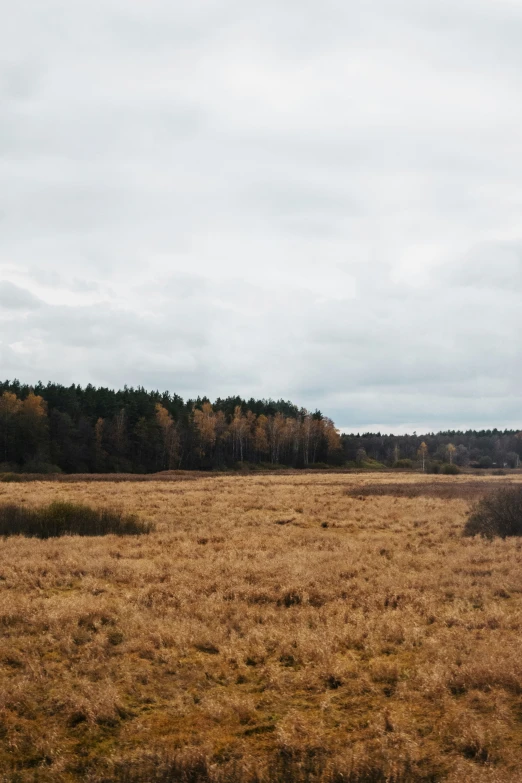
<point x="112" y="478"/>
<point x="422" y="486"/>
<point x="272" y="628"/>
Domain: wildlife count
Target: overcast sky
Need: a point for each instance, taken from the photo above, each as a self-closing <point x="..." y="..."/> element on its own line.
<point x="320" y="201"/>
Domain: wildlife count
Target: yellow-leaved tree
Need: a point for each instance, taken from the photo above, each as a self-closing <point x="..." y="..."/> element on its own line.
<point x="170" y="436"/>
<point x="423" y="452"/>
<point x="276" y="427"/>
<point x="260" y="435"/>
<point x="332" y="435"/>
<point x="33" y="415"/>
<point x="10" y="406"/>
<point x="239" y="428"/>
<point x="206" y="424"/>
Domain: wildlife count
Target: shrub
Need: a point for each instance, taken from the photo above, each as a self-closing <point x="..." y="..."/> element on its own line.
<point x="9" y="477"/>
<point x="403" y="463"/>
<point x="373" y="464"/>
<point x="61" y="519"/>
<point x="498" y="514"/>
<point x="450" y="470"/>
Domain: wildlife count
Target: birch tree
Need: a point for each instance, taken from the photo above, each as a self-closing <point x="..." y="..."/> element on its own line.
<point x="423" y="451"/>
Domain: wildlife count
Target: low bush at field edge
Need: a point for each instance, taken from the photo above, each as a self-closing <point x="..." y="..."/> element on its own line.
<point x="61" y="519"/>
<point x="499" y="514"/>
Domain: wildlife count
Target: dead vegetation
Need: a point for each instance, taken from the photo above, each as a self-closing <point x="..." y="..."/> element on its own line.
<point x="111" y="478"/>
<point x="447" y="488"/>
<point x="497" y="514"/>
<point x="68" y="519"/>
<point x="270" y="629"/>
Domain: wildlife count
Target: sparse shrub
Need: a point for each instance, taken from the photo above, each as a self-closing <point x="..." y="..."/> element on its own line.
<point x="11" y="477"/>
<point x="373" y="464"/>
<point x="433" y="467"/>
<point x="450" y="470"/>
<point x="61" y="519"/>
<point x="405" y="464"/>
<point x="499" y="514"/>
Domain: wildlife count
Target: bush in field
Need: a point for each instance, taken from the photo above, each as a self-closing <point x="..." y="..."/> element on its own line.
<point x="450" y="470"/>
<point x="498" y="514"/>
<point x="406" y="464"/>
<point x="62" y="519"/>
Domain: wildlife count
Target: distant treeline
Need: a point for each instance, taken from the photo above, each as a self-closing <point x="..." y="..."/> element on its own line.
<point x="482" y="449"/>
<point x="74" y="429"/>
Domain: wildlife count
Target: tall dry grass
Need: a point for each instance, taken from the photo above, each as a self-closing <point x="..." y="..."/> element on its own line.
<point x="60" y="518"/>
<point x="272" y="628"/>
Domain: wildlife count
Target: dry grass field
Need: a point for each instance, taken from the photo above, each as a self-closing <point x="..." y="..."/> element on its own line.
<point x="271" y="628"/>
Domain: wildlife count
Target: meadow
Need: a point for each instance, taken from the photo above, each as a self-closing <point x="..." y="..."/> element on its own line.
<point x="303" y="627"/>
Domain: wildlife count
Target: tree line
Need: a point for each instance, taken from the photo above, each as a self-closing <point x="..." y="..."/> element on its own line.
<point x="75" y="429"/>
<point x="474" y="449"/>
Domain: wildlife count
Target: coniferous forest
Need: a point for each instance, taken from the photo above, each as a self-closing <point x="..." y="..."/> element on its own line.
<point x="74" y="429"/>
<point x="50" y="428"/>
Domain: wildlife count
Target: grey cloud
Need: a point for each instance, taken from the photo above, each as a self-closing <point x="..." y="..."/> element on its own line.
<point x="96" y="326"/>
<point x="12" y="297"/>
<point x="19" y="81"/>
<point x="84" y="286"/>
<point x="489" y="266"/>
